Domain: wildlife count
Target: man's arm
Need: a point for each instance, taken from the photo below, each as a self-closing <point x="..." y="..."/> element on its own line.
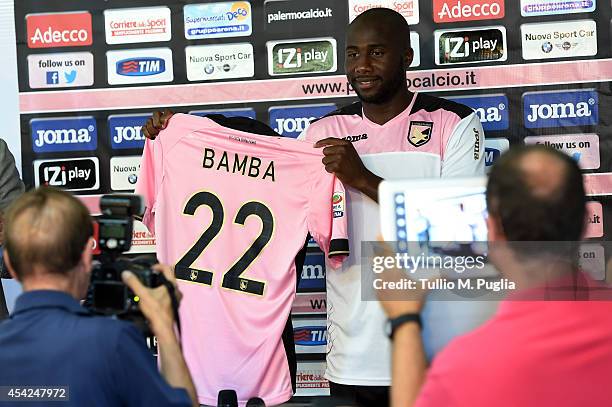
<point x="156" y="123"/>
<point x="342" y="159"/>
<point x="156" y="306"/>
<point x="464" y="151"/>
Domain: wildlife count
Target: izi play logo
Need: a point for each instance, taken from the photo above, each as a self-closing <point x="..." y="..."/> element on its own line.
<point x="301" y="56"/>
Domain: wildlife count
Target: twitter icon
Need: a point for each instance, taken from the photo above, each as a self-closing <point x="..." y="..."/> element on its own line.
<point x="70" y="76"/>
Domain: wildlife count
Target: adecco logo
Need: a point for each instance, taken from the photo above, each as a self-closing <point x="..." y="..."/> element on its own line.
<point x="59" y="29"/>
<point x="448" y="11"/>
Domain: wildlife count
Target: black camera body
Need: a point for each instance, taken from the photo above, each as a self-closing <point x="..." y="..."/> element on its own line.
<point x="108" y="294"/>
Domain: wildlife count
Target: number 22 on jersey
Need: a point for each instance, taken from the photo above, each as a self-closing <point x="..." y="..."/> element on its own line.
<point x="232" y="278"/>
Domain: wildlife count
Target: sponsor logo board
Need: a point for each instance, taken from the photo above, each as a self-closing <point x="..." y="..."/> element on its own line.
<point x="216" y="20"/>
<point x="304" y="56"/>
<point x="313" y="273"/>
<point x="594" y="218"/>
<point x="310" y="335"/>
<point x="561" y="108"/>
<point x="143" y="241"/>
<point x="246" y="112"/>
<point x="70" y="174"/>
<point x="124" y="172"/>
<point x="212" y="62"/>
<point x="471" y="45"/>
<point x="450" y="11"/>
<point x="492" y="110"/>
<point x="134" y="25"/>
<point x="309" y="303"/>
<point x="51" y="30"/>
<point x="592" y="259"/>
<point x="407" y="8"/>
<point x="291" y="121"/>
<point x="64" y="134"/>
<point x="125" y="130"/>
<point x="494" y="148"/>
<point x="584" y="148"/>
<point x="63" y="70"/>
<point x="310" y="379"/>
<point x="291" y="17"/>
<point x="559" y="39"/>
<point x="415" y="43"/>
<point x="530" y="8"/>
<point x="139" y="66"/>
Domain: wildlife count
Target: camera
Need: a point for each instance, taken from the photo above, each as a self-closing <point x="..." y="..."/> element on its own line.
<point x="108" y="294"/>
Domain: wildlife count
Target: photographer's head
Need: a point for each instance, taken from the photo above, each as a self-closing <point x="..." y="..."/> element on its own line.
<point x="48" y="241"/>
<point x="536" y="194"/>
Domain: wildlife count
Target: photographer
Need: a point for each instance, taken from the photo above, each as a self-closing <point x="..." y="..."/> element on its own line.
<point x="50" y="341"/>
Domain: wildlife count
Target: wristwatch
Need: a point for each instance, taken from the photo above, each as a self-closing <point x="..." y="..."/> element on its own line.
<point x="394" y="323"/>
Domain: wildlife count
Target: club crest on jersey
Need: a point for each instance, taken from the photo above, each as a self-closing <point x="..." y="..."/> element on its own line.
<point x="243" y="285"/>
<point x="194" y="275"/>
<point x="420" y="133"/>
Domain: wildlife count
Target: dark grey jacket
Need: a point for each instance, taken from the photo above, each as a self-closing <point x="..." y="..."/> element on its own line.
<point x="11" y="187"/>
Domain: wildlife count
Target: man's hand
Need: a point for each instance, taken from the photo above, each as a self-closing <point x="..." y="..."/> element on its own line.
<point x="155" y="303"/>
<point x="342" y="159"/>
<point x="156" y="123"/>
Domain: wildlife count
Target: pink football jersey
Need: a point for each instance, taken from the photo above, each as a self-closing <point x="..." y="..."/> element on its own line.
<point x="231" y="209"/>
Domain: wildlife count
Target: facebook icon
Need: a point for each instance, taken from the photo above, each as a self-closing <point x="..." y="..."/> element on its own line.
<point x="52" y="77"/>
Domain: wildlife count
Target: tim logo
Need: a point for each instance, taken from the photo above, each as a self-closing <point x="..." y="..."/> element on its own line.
<point x="313" y="273"/>
<point x="292" y="121"/>
<point x="492" y="110"/>
<point x="126" y="131"/>
<point x="141" y="66"/>
<point x="474" y="46"/>
<point x="561" y="109"/>
<point x="310" y="335"/>
<point x="78" y="174"/>
<point x="64" y="134"/>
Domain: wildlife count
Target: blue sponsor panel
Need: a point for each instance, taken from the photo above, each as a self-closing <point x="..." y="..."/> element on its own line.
<point x="64" y="134"/>
<point x="290" y="121"/>
<point x="494" y="148"/>
<point x="560" y="109"/>
<point x="492" y="110"/>
<point x="313" y="273"/>
<point x="246" y="112"/>
<point x="125" y="130"/>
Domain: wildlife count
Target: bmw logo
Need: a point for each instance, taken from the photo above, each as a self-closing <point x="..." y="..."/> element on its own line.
<point x="209" y="69"/>
<point x="132" y="178"/>
<point x="547" y="47"/>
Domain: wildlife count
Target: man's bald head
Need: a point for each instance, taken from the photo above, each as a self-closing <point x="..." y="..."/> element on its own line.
<point x="386" y="21"/>
<point x="537" y="194"/>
